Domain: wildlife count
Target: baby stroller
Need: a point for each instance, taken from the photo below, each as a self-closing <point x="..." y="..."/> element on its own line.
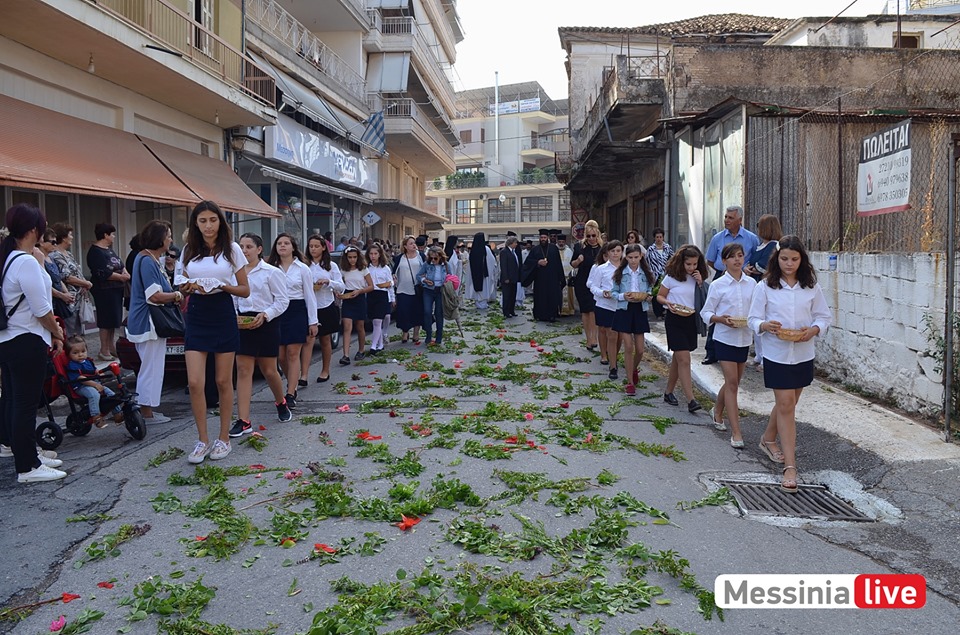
<point x="50" y="434"/>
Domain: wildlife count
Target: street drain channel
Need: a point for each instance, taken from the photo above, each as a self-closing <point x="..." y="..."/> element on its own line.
<point x="811" y="501"/>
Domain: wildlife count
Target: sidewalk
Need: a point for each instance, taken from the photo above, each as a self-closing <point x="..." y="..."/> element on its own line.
<point x="869" y="426"/>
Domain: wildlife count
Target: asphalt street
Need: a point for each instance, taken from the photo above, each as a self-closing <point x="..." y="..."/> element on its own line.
<point x="544" y="499"/>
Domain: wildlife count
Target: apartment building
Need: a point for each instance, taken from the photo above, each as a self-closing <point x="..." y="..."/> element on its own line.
<point x="505" y="178"/>
<point x="115" y="111"/>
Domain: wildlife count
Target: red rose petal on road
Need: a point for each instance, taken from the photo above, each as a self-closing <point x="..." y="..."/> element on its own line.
<point x="322" y="547"/>
<point x="105" y="585"/>
<point x="70" y="597"/>
<point x="407" y="523"/>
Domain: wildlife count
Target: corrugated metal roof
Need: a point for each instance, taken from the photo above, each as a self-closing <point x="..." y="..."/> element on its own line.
<point x="715" y="24"/>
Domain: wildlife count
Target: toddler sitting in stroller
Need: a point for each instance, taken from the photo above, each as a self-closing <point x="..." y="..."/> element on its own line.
<point x="80" y="372"/>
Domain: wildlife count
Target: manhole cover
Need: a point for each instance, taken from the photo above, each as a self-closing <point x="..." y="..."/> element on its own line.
<point x="812" y="501"/>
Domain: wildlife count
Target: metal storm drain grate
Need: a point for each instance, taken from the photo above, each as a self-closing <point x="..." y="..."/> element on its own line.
<point x="812" y="501"/>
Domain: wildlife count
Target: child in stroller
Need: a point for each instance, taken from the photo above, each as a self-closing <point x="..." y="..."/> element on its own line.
<point x="82" y="374"/>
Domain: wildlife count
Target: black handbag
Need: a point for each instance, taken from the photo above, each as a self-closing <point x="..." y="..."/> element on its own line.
<point x="61" y="309"/>
<point x="167" y="320"/>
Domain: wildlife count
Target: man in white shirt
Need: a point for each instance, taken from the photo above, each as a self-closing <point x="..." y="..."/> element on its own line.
<point x="566" y="255"/>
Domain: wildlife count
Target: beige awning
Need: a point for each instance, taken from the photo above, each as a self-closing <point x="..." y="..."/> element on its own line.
<point x="47" y="150"/>
<point x="212" y="180"/>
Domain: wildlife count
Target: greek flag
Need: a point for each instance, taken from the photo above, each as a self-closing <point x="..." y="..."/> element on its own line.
<point x="374" y="135"/>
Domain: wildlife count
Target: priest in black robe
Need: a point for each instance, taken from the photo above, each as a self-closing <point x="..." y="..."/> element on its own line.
<point x="544" y="270"/>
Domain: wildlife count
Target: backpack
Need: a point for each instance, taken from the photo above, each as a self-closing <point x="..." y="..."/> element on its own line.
<point x="4" y="314"/>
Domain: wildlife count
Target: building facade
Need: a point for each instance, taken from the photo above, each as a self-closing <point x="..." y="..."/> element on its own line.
<point x="505" y="176"/>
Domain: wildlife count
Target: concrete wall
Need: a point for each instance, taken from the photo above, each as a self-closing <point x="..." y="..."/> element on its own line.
<point x="877" y="342"/>
<point x="705" y="75"/>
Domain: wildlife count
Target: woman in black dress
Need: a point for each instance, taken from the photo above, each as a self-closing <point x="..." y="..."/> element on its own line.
<point x="584" y="255"/>
<point x="109" y="277"/>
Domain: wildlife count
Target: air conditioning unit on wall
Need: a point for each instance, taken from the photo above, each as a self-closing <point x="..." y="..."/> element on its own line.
<point x="483" y="197"/>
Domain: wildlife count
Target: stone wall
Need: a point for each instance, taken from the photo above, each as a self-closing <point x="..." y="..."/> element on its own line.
<point x="878" y="342"/>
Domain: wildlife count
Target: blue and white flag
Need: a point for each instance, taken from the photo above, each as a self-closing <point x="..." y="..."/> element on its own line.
<point x="374" y="135"/>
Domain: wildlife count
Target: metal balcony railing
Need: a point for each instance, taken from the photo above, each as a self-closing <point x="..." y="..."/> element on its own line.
<point x="540" y="144"/>
<point x="177" y="31"/>
<point x="406" y="108"/>
<point x="274" y="19"/>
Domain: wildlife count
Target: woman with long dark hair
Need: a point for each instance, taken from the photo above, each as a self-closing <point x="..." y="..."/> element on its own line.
<point x="357" y="283"/>
<point x="482" y="285"/>
<point x="327" y="285"/>
<point x="211" y="270"/>
<point x="260" y="340"/>
<point x="300" y="319"/>
<point x="31" y="329"/>
<point x="109" y="278"/>
<point x="381" y="298"/>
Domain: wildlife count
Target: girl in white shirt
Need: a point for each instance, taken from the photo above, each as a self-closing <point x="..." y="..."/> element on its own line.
<point x="211" y="270"/>
<point x="300" y="319"/>
<point x="728" y="300"/>
<point x="685" y="271"/>
<point x="358" y="283"/>
<point x="788" y="310"/>
<point x="600" y="284"/>
<point x="260" y="340"/>
<point x="327" y="284"/>
<point x="631" y="290"/>
<point x="381" y="299"/>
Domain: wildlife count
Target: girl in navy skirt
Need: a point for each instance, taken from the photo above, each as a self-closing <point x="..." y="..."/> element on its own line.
<point x="300" y="318"/>
<point x="327" y="284"/>
<point x="686" y="270"/>
<point x="600" y="283"/>
<point x="728" y="302"/>
<point x="211" y="270"/>
<point x="260" y="340"/>
<point x="357" y="281"/>
<point x="381" y="298"/>
<point x="631" y="289"/>
<point x="788" y="310"/>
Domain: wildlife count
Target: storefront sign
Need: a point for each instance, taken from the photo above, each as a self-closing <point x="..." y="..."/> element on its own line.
<point x="883" y="177"/>
<point x="296" y="145"/>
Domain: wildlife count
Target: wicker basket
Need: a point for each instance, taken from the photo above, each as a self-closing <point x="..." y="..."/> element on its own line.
<point x="790" y="335"/>
<point x="682" y="310"/>
<point x="739" y="322"/>
<point x="245" y="322"/>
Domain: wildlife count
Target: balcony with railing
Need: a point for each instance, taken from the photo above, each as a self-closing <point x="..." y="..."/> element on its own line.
<point x="278" y="22"/>
<point x="409" y="127"/>
<point x="179" y="33"/>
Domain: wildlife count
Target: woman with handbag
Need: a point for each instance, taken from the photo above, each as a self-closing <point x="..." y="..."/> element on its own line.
<point x="154" y="313"/>
<point x="409" y="309"/>
<point x="62" y="299"/>
<point x="72" y="276"/>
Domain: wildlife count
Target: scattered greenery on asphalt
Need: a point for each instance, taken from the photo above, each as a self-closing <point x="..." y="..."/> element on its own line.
<point x="170" y="454"/>
<point x="109" y="545"/>
<point x="717" y="498"/>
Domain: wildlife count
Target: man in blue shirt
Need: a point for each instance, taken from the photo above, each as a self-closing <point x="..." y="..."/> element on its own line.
<point x="733" y="232"/>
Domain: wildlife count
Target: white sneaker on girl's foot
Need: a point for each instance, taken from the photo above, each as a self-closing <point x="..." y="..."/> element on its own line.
<point x="220" y="450"/>
<point x="200" y="452"/>
<point x="40" y="474"/>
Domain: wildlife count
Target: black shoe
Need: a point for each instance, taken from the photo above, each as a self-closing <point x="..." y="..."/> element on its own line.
<point x="708" y="361"/>
<point x="344" y="361"/>
<point x="604" y="362"/>
<point x="302" y="383"/>
<point x="291" y="401"/>
<point x="670" y="399"/>
<point x="693" y="406"/>
<point x="240" y="428"/>
<point x="613" y="373"/>
<point x="360" y="355"/>
<point x="283" y="412"/>
<point x="320" y="380"/>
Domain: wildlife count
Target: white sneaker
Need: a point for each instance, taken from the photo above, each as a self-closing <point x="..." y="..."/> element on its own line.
<point x="40" y="474"/>
<point x="200" y="452"/>
<point x="50" y="462"/>
<point x="50" y="454"/>
<point x="220" y="450"/>
<point x="157" y="418"/>
<point x="5" y="451"/>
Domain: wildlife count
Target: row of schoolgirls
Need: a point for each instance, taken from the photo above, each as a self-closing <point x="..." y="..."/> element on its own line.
<point x="781" y="312"/>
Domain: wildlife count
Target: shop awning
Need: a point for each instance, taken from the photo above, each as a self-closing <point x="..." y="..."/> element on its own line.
<point x="396" y="206"/>
<point x="301" y="98"/>
<point x="212" y="180"/>
<point x="46" y="150"/>
<point x="294" y="179"/>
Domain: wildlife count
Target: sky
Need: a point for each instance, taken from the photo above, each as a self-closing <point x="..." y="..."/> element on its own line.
<point x="519" y="38"/>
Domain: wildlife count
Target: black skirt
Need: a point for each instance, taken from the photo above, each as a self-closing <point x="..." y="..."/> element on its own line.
<point x="293" y="323"/>
<point x="787" y="376"/>
<point x="378" y="305"/>
<point x="603" y="317"/>
<point x="409" y="311"/>
<point x="631" y="320"/>
<point x="109" y="306"/>
<point x="211" y="324"/>
<point x="681" y="331"/>
<point x="328" y="319"/>
<point x="728" y="353"/>
<point x="260" y="342"/>
<point x="585" y="299"/>
<point x="354" y="308"/>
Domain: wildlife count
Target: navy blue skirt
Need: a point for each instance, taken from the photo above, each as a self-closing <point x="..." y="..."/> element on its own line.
<point x="409" y="311"/>
<point x="354" y="308"/>
<point x="328" y="320"/>
<point x="261" y="342"/>
<point x="293" y="323"/>
<point x="681" y="331"/>
<point x="631" y="320"/>
<point x="787" y="376"/>
<point x="728" y="353"/>
<point x="211" y="324"/>
<point x="603" y="317"/>
<point x="378" y="305"/>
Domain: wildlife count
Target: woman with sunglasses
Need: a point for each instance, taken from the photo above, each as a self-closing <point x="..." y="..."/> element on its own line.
<point x="584" y="256"/>
<point x="431" y="277"/>
<point x="358" y="283"/>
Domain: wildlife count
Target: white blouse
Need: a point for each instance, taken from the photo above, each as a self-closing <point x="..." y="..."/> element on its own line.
<point x="795" y="308"/>
<point x="217" y="267"/>
<point x="268" y="292"/>
<point x="603" y="281"/>
<point x="680" y="292"/>
<point x="727" y="296"/>
<point x="407" y="269"/>
<point x="380" y="275"/>
<point x="25" y="278"/>
<point x="300" y="286"/>
<point x="355" y="279"/>
<point x="325" y="293"/>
